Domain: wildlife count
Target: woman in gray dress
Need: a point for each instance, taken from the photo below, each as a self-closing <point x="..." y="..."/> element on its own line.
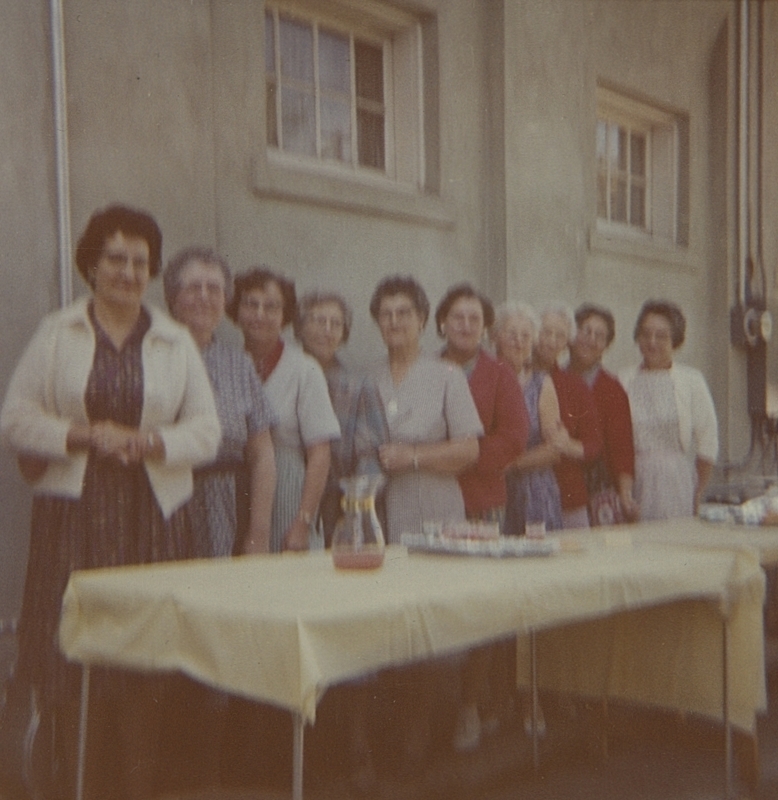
<point x="433" y="421"/>
<point x="323" y="325"/>
<point x="433" y="428"/>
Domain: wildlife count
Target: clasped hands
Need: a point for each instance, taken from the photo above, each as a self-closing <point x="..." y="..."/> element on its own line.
<point x="112" y="440"/>
<point x="397" y="456"/>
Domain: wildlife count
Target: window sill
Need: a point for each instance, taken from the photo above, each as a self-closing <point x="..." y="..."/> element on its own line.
<point x="376" y="197"/>
<point x="645" y="249"/>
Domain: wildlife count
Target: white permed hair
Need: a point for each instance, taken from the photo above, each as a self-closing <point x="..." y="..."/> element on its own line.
<point x="515" y="308"/>
<point x="562" y="310"/>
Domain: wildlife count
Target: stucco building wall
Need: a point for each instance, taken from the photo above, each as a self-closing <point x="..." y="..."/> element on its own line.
<point x="166" y="111"/>
<point x="28" y="256"/>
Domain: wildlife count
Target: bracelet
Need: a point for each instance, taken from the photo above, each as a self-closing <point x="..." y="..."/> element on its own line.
<point x="415" y="460"/>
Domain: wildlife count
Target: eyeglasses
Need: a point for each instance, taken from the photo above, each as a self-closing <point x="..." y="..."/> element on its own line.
<point x="595" y="334"/>
<point x="266" y="306"/>
<point x="656" y="336"/>
<point x="460" y="320"/>
<point x="211" y="289"/>
<point x="326" y="322"/>
<point x="119" y="260"/>
<point x="515" y="336"/>
<point x="401" y="314"/>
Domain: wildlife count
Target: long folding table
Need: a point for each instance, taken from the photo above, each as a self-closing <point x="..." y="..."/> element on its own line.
<point x="683" y="624"/>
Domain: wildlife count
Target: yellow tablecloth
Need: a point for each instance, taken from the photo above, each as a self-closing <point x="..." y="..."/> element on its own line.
<point x="688" y="532"/>
<point x="283" y="628"/>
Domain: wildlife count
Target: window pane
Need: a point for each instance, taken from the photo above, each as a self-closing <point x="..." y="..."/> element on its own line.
<point x="369" y="71"/>
<point x="298" y="122"/>
<point x="270" y="112"/>
<point x="638" y="154"/>
<point x="602" y="199"/>
<point x="370" y="139"/>
<point x="621" y="154"/>
<point x="296" y="50"/>
<point x="619" y="200"/>
<point x="602" y="140"/>
<point x="334" y="62"/>
<point x="335" y="130"/>
<point x="270" y="45"/>
<point x="637" y="209"/>
<point x="613" y="145"/>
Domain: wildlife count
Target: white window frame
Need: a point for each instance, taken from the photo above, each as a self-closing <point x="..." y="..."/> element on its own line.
<point x="661" y="130"/>
<point x="398" y="34"/>
<point x="409" y="187"/>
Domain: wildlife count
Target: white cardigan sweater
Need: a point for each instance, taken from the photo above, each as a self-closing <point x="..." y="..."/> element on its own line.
<point x="697" y="422"/>
<point x="46" y="396"/>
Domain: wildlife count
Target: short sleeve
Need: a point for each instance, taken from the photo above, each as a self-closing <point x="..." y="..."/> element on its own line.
<point x="261" y="416"/>
<point x="461" y="414"/>
<point x="316" y="417"/>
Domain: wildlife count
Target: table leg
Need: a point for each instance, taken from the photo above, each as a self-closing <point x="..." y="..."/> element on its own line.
<point x="604" y="743"/>
<point x="297" y="756"/>
<point x="82" y="726"/>
<point x="728" y="788"/>
<point x="534" y="695"/>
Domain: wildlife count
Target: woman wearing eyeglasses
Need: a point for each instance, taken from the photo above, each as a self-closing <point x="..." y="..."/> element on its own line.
<point x="263" y="304"/>
<point x="433" y="421"/>
<point x="673" y="418"/>
<point x="610" y="478"/>
<point x="198" y="283"/>
<point x="109" y="409"/>
<point x="323" y="325"/>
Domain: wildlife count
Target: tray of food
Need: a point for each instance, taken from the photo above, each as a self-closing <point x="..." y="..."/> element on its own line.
<point x="477" y="539"/>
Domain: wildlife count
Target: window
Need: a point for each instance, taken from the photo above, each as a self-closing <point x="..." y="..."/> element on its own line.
<point x="621" y="173"/>
<point x="347" y="83"/>
<point x="642" y="170"/>
<point x="325" y="92"/>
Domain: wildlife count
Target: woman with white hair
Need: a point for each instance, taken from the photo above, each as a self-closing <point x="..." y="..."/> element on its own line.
<point x="533" y="493"/>
<point x="577" y="411"/>
<point x="233" y="495"/>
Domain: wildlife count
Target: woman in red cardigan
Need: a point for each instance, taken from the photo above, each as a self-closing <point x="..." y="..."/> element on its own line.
<point x="611" y="477"/>
<point x="462" y="317"/>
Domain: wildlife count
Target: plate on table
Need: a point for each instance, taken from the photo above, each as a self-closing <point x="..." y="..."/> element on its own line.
<point x="501" y="547"/>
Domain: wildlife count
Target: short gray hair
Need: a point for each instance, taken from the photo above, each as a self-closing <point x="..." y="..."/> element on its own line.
<point x="171" y="278"/>
<point x="562" y="310"/>
<point x="515" y="308"/>
<point x="310" y="300"/>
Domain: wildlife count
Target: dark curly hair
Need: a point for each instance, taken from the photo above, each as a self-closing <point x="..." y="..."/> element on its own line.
<point x="457" y="292"/>
<point x="114" y="219"/>
<point x="401" y="284"/>
<point x="258" y="278"/>
<point x="586" y="310"/>
<point x="671" y="312"/>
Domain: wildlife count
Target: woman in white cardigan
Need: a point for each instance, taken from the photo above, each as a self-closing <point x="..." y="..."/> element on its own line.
<point x="673" y="418"/>
<point x="108" y="410"/>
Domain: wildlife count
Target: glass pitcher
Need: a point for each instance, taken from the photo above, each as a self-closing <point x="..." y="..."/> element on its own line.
<point x="358" y="541"/>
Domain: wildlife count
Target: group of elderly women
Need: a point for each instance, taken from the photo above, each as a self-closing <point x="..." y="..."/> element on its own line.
<point x="146" y="442"/>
